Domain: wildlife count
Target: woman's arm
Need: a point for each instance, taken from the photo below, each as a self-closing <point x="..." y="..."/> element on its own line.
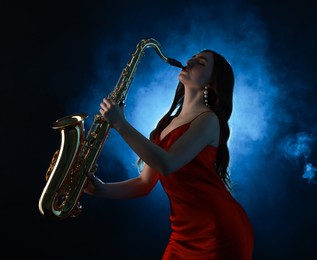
<point x="132" y="188"/>
<point x="202" y="131"/>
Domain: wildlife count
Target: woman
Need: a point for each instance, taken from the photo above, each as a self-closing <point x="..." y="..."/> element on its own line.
<point x="188" y="153"/>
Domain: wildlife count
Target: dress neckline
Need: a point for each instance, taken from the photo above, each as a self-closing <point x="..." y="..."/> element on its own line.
<point x="187" y="123"/>
<point x="170" y="132"/>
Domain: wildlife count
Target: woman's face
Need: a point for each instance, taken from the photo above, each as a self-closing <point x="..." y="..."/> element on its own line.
<point x="198" y="70"/>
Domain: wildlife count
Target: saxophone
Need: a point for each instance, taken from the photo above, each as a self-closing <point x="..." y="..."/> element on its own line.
<point x="66" y="176"/>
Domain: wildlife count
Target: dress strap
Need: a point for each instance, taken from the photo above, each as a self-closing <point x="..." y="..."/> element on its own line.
<point x="198" y="116"/>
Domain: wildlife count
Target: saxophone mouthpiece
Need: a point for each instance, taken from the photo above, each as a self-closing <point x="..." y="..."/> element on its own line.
<point x="175" y="63"/>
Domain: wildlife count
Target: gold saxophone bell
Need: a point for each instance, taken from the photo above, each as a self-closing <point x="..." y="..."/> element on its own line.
<point x="66" y="176"/>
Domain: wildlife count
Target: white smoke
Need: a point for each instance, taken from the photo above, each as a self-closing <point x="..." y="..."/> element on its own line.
<point x="310" y="173"/>
<point x="300" y="146"/>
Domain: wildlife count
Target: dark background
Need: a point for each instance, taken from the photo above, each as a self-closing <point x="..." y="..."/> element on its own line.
<point x="62" y="57"/>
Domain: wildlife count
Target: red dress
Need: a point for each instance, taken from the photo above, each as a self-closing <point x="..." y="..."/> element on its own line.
<point x="207" y="223"/>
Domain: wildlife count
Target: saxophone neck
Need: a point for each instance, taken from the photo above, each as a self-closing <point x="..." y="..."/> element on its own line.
<point x="119" y="94"/>
<point x="150" y="42"/>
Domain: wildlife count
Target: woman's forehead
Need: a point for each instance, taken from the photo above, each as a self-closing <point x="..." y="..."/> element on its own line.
<point x="206" y="55"/>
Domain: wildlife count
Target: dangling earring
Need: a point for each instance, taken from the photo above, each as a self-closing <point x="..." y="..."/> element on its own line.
<point x="206" y="96"/>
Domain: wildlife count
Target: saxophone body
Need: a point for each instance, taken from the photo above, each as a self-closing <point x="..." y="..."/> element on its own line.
<point x="66" y="176"/>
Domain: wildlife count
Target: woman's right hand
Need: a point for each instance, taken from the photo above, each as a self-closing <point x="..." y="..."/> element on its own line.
<point x="112" y="112"/>
<point x="94" y="185"/>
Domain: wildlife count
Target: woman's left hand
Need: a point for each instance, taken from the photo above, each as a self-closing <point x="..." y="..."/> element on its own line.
<point x="112" y="112"/>
<point x="94" y="185"/>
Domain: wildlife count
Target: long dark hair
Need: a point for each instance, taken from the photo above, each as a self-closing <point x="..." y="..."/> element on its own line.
<point x="220" y="95"/>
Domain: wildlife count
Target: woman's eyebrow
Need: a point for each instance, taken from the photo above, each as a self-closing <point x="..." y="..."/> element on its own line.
<point x="200" y="57"/>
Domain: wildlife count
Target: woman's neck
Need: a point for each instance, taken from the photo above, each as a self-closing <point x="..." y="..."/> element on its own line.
<point x="193" y="104"/>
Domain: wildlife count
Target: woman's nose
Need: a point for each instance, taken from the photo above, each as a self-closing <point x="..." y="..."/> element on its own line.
<point x="190" y="63"/>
